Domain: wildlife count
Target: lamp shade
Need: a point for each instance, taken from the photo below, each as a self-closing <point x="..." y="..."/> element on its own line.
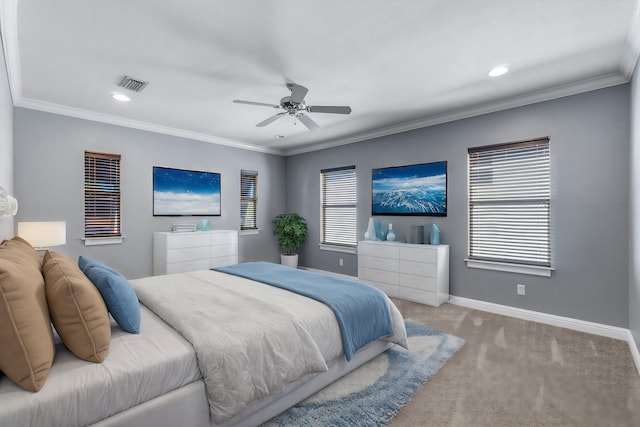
<point x="43" y="234"/>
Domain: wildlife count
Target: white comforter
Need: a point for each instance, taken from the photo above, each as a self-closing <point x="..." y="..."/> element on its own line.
<point x="251" y="339"/>
<point x="247" y="348"/>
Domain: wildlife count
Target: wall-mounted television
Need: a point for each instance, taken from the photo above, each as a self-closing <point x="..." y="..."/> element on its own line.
<point x="419" y="189"/>
<point x="178" y="192"/>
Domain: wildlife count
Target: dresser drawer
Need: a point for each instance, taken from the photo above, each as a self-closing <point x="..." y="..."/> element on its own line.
<point x="408" y="271"/>
<point x="369" y="274"/>
<point x="418" y="282"/>
<point x="378" y="249"/>
<point x="181" y="267"/>
<point x="422" y="297"/>
<point x="224" y="250"/>
<point x="186" y="254"/>
<point x="200" y="250"/>
<point x="419" y="254"/>
<point x="188" y="240"/>
<point x="418" y="268"/>
<point x="224" y="237"/>
<point x="377" y="263"/>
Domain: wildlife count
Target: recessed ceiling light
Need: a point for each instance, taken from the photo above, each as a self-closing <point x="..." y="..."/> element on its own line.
<point x="279" y="136"/>
<point x="498" y="71"/>
<point x="120" y="97"/>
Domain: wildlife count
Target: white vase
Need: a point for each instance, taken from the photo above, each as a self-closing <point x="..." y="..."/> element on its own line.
<point x="289" y="260"/>
<point x="370" y="234"/>
<point x="391" y="235"/>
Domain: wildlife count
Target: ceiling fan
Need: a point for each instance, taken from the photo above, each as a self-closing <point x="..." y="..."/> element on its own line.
<point x="294" y="105"/>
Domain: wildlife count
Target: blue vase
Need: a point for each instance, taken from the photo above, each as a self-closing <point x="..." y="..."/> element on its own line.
<point x="434" y="236"/>
<point x="381" y="232"/>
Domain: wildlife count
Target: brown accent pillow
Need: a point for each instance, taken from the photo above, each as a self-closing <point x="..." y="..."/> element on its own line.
<point x="78" y="312"/>
<point x="26" y="338"/>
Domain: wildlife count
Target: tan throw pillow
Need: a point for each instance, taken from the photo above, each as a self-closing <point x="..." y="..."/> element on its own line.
<point x="26" y="338"/>
<point x="78" y="312"/>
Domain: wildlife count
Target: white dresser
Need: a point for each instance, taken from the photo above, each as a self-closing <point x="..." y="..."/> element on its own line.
<point x="200" y="250"/>
<point x="413" y="272"/>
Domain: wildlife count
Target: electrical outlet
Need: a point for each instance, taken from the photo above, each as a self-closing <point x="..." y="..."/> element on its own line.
<point x="520" y="289"/>
<point x="341" y="262"/>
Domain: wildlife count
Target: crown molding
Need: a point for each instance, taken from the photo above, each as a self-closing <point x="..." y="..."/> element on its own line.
<point x="574" y="88"/>
<point x="631" y="50"/>
<point x="9" y="28"/>
<point x="135" y="124"/>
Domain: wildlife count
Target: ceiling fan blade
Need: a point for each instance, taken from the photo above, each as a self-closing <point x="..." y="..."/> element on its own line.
<point x="271" y="119"/>
<point x="328" y="109"/>
<point x="239" y="101"/>
<point x="297" y="93"/>
<point x="306" y="120"/>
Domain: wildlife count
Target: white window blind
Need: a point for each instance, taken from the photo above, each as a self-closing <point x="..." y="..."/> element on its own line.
<point x="248" y="200"/>
<point x="338" y="206"/>
<point x="101" y="195"/>
<point x="509" y="203"/>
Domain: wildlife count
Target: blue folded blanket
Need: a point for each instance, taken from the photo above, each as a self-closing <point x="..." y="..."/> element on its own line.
<point x="362" y="310"/>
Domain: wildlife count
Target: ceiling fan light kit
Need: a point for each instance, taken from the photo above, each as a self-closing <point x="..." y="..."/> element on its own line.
<point x="293" y="105"/>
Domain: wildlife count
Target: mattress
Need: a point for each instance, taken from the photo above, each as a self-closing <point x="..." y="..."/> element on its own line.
<point x="137" y="369"/>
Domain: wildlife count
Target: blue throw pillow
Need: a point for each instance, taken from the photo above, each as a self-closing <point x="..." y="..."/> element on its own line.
<point x="116" y="291"/>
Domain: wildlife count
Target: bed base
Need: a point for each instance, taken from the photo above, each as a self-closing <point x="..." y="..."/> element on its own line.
<point x="188" y="407"/>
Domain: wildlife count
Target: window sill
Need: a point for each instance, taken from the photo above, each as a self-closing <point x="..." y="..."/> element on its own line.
<point x="337" y="248"/>
<point x="248" y="232"/>
<point x="94" y="241"/>
<point x="511" y="268"/>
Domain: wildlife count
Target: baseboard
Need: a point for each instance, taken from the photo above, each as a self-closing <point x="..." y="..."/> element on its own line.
<point x="634" y="351"/>
<point x="549" y="319"/>
<point x="328" y="273"/>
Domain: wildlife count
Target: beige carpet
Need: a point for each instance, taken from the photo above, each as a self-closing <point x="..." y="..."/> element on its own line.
<point x="512" y="372"/>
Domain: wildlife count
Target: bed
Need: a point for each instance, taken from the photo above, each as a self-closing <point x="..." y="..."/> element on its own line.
<point x="157" y="378"/>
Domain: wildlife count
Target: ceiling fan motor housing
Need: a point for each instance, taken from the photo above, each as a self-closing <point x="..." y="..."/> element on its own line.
<point x="290" y="106"/>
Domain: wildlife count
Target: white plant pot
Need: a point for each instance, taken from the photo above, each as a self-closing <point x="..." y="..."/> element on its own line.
<point x="289" y="260"/>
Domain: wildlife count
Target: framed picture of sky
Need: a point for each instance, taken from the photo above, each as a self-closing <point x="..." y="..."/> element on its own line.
<point x="179" y="192"/>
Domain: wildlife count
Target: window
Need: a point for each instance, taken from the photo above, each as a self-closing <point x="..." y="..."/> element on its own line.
<point x="248" y="200"/>
<point x="102" y="196"/>
<point x="509" y="205"/>
<point x="338" y="206"/>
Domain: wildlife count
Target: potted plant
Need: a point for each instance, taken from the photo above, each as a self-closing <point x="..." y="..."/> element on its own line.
<point x="291" y="230"/>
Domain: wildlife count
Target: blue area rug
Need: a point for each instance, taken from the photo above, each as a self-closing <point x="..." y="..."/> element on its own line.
<point x="375" y="392"/>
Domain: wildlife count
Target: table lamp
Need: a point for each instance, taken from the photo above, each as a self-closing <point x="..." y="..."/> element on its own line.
<point x="42" y="235"/>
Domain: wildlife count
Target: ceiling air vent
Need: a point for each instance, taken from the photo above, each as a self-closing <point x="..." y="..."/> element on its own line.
<point x="133" y="84"/>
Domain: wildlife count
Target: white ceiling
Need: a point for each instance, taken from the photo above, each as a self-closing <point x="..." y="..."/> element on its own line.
<point x="400" y="64"/>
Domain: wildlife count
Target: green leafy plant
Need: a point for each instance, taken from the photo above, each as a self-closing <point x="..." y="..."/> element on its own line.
<point x="291" y="230"/>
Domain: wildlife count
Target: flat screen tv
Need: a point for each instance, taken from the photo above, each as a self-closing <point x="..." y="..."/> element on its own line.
<point x="410" y="190"/>
<point x="178" y="192"/>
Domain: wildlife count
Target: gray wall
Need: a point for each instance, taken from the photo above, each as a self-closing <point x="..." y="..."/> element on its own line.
<point x="589" y="136"/>
<point x="634" y="211"/>
<point x="49" y="174"/>
<point x="6" y="143"/>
